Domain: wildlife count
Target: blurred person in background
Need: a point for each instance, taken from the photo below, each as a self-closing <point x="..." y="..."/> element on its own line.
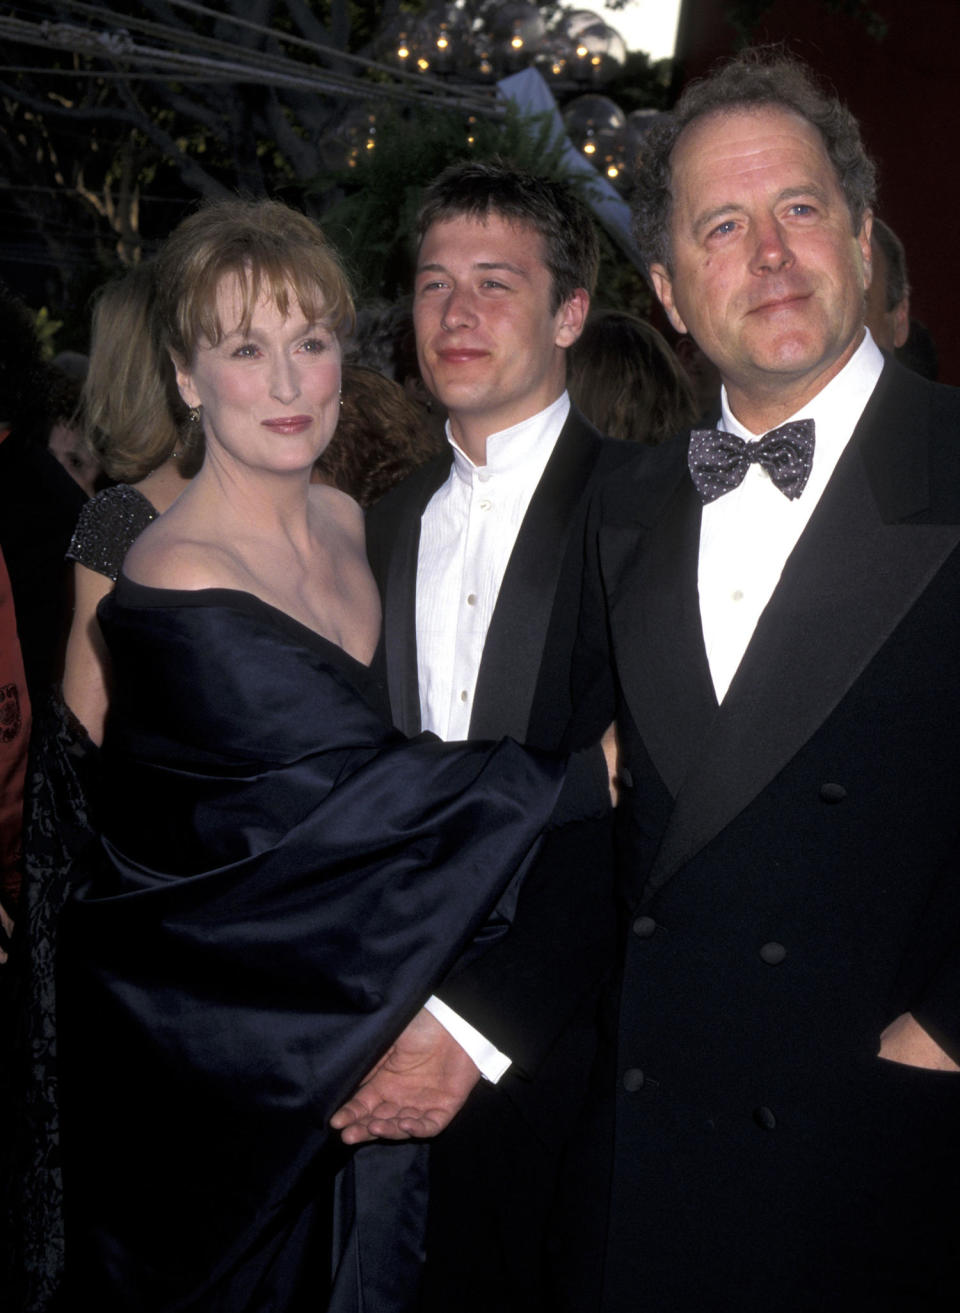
<point x="627" y="381"/>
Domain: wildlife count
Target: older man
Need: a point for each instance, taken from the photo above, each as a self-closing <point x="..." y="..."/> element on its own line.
<point x="479" y="559"/>
<point x="778" y="600"/>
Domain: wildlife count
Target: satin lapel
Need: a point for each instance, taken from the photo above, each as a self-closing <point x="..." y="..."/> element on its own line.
<point x="400" y="603"/>
<point x="651" y="580"/>
<point x="513" y="651"/>
<point x="852" y="577"/>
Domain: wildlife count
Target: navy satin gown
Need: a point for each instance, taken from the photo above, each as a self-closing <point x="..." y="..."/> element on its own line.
<point x="282" y="880"/>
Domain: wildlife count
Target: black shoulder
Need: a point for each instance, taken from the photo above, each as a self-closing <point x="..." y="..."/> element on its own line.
<point x="107" y="527"/>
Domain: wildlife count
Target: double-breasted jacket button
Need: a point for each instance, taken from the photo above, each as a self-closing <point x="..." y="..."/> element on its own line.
<point x="644" y="926"/>
<point x="764" y="1119"/>
<point x="633" y="1080"/>
<point x="773" y="953"/>
<point x="624" y="778"/>
<point x="832" y="792"/>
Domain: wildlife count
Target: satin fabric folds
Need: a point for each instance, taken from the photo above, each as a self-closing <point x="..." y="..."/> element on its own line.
<point x="282" y="880"/>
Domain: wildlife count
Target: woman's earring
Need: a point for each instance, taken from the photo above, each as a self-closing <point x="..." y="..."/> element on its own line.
<point x="195" y="413"/>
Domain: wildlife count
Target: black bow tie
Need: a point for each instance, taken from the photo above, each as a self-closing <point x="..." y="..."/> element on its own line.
<point x="719" y="461"/>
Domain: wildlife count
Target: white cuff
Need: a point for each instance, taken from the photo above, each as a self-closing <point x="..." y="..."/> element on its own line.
<point x="491" y="1062"/>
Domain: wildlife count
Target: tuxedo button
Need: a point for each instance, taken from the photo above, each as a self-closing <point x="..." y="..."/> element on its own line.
<point x="773" y="953"/>
<point x="625" y="778"/>
<point x="764" y="1119"/>
<point x="633" y="1080"/>
<point x="644" y="927"/>
<point x="471" y="599"/>
<point x="832" y="792"/>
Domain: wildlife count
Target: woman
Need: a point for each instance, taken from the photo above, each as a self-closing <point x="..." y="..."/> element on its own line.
<point x="137" y="425"/>
<point x="284" y="877"/>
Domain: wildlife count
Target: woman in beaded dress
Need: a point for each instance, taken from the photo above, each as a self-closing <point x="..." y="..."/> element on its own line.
<point x="131" y="420"/>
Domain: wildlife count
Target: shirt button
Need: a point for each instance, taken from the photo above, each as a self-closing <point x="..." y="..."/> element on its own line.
<point x="471" y="599"/>
<point x="463" y="695"/>
<point x="773" y="954"/>
<point x="737" y="594"/>
<point x="764" y="1119"/>
<point x="633" y="1080"/>
<point x="483" y="476"/>
<point x="832" y="792"/>
<point x="485" y="505"/>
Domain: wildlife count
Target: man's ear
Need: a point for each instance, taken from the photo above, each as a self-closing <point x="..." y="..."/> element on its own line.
<point x="572" y="316"/>
<point x="184" y="381"/>
<point x="901" y="321"/>
<point x="866" y="249"/>
<point x="663" y="286"/>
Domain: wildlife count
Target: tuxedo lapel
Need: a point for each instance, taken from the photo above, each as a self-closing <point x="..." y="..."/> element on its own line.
<point x="400" y="599"/>
<point x="855" y="572"/>
<point x="651" y="578"/>
<point x="513" y="650"/>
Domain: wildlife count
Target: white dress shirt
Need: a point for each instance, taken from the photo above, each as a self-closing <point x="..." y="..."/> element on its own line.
<point x="467" y="533"/>
<point x="747" y="534"/>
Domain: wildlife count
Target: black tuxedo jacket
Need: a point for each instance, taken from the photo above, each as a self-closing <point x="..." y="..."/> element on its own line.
<point x="789" y="886"/>
<point x="523" y="692"/>
<point x="493" y="1172"/>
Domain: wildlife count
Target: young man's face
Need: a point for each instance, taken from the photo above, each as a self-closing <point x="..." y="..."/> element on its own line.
<point x="490" y="346"/>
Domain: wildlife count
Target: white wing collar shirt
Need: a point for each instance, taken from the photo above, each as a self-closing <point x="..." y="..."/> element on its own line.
<point x="467" y="534"/>
<point x="747" y="534"/>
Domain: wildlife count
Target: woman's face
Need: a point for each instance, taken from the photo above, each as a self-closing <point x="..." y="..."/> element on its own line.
<point x="270" y="396"/>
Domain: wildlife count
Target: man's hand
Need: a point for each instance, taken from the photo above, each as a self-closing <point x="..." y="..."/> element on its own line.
<point x="905" y="1041"/>
<point x="414" y="1091"/>
<point x="611" y="754"/>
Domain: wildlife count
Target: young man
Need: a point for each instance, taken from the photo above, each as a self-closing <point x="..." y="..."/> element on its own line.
<point x="479" y="559"/>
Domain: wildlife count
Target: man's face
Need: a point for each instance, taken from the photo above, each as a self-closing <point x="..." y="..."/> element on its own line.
<point x="490" y="346"/>
<point x="767" y="275"/>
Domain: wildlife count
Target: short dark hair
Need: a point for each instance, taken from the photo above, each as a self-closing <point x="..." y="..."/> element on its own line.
<point x="762" y="76"/>
<point x="475" y="190"/>
<point x="896" y="285"/>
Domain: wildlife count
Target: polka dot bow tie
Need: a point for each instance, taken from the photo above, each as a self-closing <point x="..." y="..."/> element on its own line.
<point x="719" y="461"/>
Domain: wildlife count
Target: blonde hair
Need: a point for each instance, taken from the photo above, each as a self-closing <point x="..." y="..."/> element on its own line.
<point x="269" y="248"/>
<point x="133" y="418"/>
